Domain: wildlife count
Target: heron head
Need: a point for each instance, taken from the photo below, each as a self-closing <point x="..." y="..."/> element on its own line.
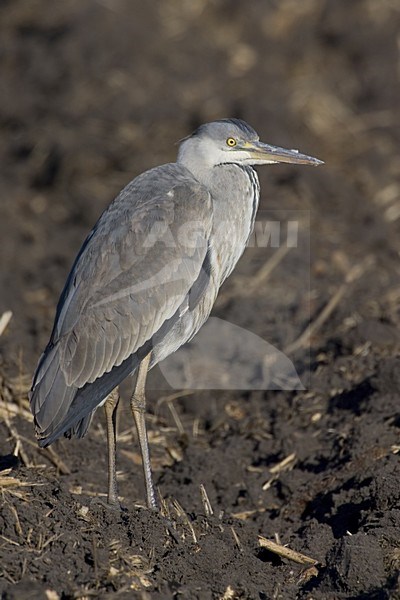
<point x="233" y="141"/>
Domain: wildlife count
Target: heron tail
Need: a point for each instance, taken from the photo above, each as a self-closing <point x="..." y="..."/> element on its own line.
<point x="59" y="409"/>
<point x="50" y="397"/>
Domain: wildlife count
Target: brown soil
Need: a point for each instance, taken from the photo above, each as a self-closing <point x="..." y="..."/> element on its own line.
<point x="92" y="93"/>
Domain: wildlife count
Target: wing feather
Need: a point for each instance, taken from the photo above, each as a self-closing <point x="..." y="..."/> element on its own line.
<point x="79" y="355"/>
<point x="97" y="356"/>
<point x="128" y="280"/>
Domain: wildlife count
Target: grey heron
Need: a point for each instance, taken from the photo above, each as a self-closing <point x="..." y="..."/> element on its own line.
<point x="146" y="279"/>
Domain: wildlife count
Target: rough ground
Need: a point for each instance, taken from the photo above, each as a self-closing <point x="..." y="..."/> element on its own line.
<point x="92" y="93"/>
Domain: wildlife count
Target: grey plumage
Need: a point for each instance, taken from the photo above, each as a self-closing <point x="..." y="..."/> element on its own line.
<point x="104" y="319"/>
<point x="148" y="273"/>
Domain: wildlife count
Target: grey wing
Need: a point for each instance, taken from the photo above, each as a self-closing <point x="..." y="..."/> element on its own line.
<point x="135" y="269"/>
<point x="135" y="273"/>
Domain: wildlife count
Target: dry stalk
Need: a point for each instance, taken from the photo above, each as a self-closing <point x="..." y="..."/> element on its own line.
<point x="236" y="538"/>
<point x="6" y="539"/>
<point x="246" y="286"/>
<point x="284" y="465"/>
<point x="206" y="501"/>
<point x="246" y="514"/>
<point x="52" y="595"/>
<point x="52" y="455"/>
<point x="18" y="527"/>
<point x="18" y="450"/>
<point x="176" y="417"/>
<point x="229" y="594"/>
<point x="355" y="273"/>
<point x="183" y="515"/>
<point x="265" y="271"/>
<point x="4" y="321"/>
<point x="286" y="552"/>
<point x="11" y="409"/>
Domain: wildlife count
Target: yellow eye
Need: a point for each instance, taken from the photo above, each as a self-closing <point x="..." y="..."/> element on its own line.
<point x="231" y="142"/>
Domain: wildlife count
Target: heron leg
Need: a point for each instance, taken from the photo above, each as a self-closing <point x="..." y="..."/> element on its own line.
<point x="110" y="408"/>
<point x="138" y="406"/>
